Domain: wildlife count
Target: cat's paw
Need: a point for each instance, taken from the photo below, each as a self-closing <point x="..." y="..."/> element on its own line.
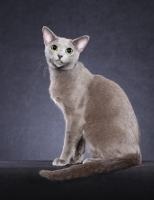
<point x="59" y="162"/>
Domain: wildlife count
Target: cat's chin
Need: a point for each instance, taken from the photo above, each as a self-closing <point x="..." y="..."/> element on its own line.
<point x="60" y="65"/>
<point x="57" y="66"/>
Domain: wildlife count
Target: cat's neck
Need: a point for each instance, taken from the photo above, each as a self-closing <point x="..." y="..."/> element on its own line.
<point x="59" y="74"/>
<point x="77" y="74"/>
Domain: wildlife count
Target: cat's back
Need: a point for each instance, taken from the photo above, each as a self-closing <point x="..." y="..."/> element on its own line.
<point x="106" y="89"/>
<point x="110" y="118"/>
<point x="108" y="100"/>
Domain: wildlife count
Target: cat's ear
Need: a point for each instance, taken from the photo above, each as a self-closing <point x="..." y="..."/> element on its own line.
<point x="48" y="35"/>
<point x="81" y="42"/>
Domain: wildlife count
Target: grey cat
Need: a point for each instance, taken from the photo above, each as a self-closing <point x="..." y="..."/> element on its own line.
<point x="96" y="111"/>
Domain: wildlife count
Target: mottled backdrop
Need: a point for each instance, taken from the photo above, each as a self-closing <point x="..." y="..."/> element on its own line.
<point x="121" y="48"/>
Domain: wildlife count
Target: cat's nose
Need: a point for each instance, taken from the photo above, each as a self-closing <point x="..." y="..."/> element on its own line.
<point x="60" y="56"/>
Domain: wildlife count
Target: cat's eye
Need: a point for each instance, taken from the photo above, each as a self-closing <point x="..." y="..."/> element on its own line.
<point x="69" y="50"/>
<point x="54" y="48"/>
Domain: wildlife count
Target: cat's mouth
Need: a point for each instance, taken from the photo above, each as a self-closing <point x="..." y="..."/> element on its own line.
<point x="57" y="63"/>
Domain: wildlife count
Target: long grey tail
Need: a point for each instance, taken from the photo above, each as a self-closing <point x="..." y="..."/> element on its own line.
<point x="92" y="168"/>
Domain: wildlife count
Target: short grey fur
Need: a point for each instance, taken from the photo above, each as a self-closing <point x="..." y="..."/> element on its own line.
<point x="97" y="113"/>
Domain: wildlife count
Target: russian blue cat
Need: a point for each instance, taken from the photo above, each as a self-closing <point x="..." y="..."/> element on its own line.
<point x="96" y="110"/>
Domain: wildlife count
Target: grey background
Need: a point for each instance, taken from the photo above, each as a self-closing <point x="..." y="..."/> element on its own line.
<point x="121" y="48"/>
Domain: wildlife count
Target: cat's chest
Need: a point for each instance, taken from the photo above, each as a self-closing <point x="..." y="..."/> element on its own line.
<point x="60" y="93"/>
<point x="67" y="96"/>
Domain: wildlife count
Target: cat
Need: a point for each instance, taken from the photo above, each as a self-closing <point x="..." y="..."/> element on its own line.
<point x="96" y="110"/>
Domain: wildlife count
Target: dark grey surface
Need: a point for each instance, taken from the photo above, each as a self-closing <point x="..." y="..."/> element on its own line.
<point x="21" y="180"/>
<point x="121" y="48"/>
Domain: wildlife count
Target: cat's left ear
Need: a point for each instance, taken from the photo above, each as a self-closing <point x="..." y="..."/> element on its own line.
<point x="48" y="35"/>
<point x="81" y="42"/>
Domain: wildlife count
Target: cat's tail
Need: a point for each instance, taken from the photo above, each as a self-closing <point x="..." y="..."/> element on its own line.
<point x="92" y="168"/>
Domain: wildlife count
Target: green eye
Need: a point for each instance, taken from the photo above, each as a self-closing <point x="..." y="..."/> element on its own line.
<point x="54" y="48"/>
<point x="69" y="50"/>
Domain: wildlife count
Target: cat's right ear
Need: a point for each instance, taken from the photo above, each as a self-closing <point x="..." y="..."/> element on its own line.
<point x="48" y="35"/>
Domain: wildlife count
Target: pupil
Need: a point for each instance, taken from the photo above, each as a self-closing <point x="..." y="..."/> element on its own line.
<point x="69" y="50"/>
<point x="54" y="47"/>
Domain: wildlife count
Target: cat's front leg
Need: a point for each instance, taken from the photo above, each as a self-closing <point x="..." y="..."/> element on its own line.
<point x="73" y="133"/>
<point x="79" y="152"/>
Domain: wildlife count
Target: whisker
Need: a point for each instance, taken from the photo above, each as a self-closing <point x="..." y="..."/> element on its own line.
<point x="41" y="61"/>
<point x="38" y="69"/>
<point x="41" y="57"/>
<point x="44" y="71"/>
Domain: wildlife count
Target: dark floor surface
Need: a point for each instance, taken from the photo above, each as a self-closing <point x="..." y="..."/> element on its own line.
<point x="21" y="180"/>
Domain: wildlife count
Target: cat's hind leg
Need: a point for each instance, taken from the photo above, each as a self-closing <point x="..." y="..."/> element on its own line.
<point x="79" y="152"/>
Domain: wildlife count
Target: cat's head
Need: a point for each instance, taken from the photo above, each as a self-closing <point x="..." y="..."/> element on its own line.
<point x="62" y="53"/>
